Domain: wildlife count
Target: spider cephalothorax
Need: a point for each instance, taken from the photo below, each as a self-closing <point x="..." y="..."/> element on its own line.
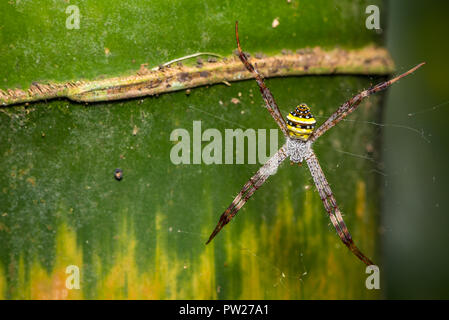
<point x="300" y="122"/>
<point x="298" y="150"/>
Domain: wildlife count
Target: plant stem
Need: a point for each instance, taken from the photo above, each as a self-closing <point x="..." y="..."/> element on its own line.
<point x="168" y="78"/>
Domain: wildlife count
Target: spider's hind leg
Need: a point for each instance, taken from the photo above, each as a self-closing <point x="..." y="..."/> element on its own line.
<point x="254" y="183"/>
<point x="330" y="204"/>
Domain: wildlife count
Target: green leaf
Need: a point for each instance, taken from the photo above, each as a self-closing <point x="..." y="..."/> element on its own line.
<point x="143" y="237"/>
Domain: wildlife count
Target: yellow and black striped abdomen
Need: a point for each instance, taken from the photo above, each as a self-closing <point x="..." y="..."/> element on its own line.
<point x="301" y="123"/>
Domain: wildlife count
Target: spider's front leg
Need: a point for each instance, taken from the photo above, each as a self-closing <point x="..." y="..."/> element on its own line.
<point x="352" y="104"/>
<point x="266" y="93"/>
<point x="330" y="204"/>
<point x="254" y="183"/>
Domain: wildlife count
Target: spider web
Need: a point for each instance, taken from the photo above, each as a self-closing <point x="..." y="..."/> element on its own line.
<point x="415" y="131"/>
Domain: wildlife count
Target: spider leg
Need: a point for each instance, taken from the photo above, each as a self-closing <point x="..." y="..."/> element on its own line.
<point x="254" y="183"/>
<point x="266" y="93"/>
<point x="350" y="105"/>
<point x="330" y="204"/>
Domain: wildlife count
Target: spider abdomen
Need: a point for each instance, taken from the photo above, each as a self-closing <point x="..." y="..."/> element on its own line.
<point x="300" y="122"/>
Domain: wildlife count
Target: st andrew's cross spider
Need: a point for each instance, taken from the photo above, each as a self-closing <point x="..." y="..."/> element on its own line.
<point x="300" y="134"/>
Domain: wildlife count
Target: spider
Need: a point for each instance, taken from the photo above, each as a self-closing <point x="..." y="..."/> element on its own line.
<point x="299" y="131"/>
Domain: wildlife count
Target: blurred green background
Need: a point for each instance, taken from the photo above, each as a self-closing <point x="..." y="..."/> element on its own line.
<point x="144" y="237"/>
<point x="415" y="220"/>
